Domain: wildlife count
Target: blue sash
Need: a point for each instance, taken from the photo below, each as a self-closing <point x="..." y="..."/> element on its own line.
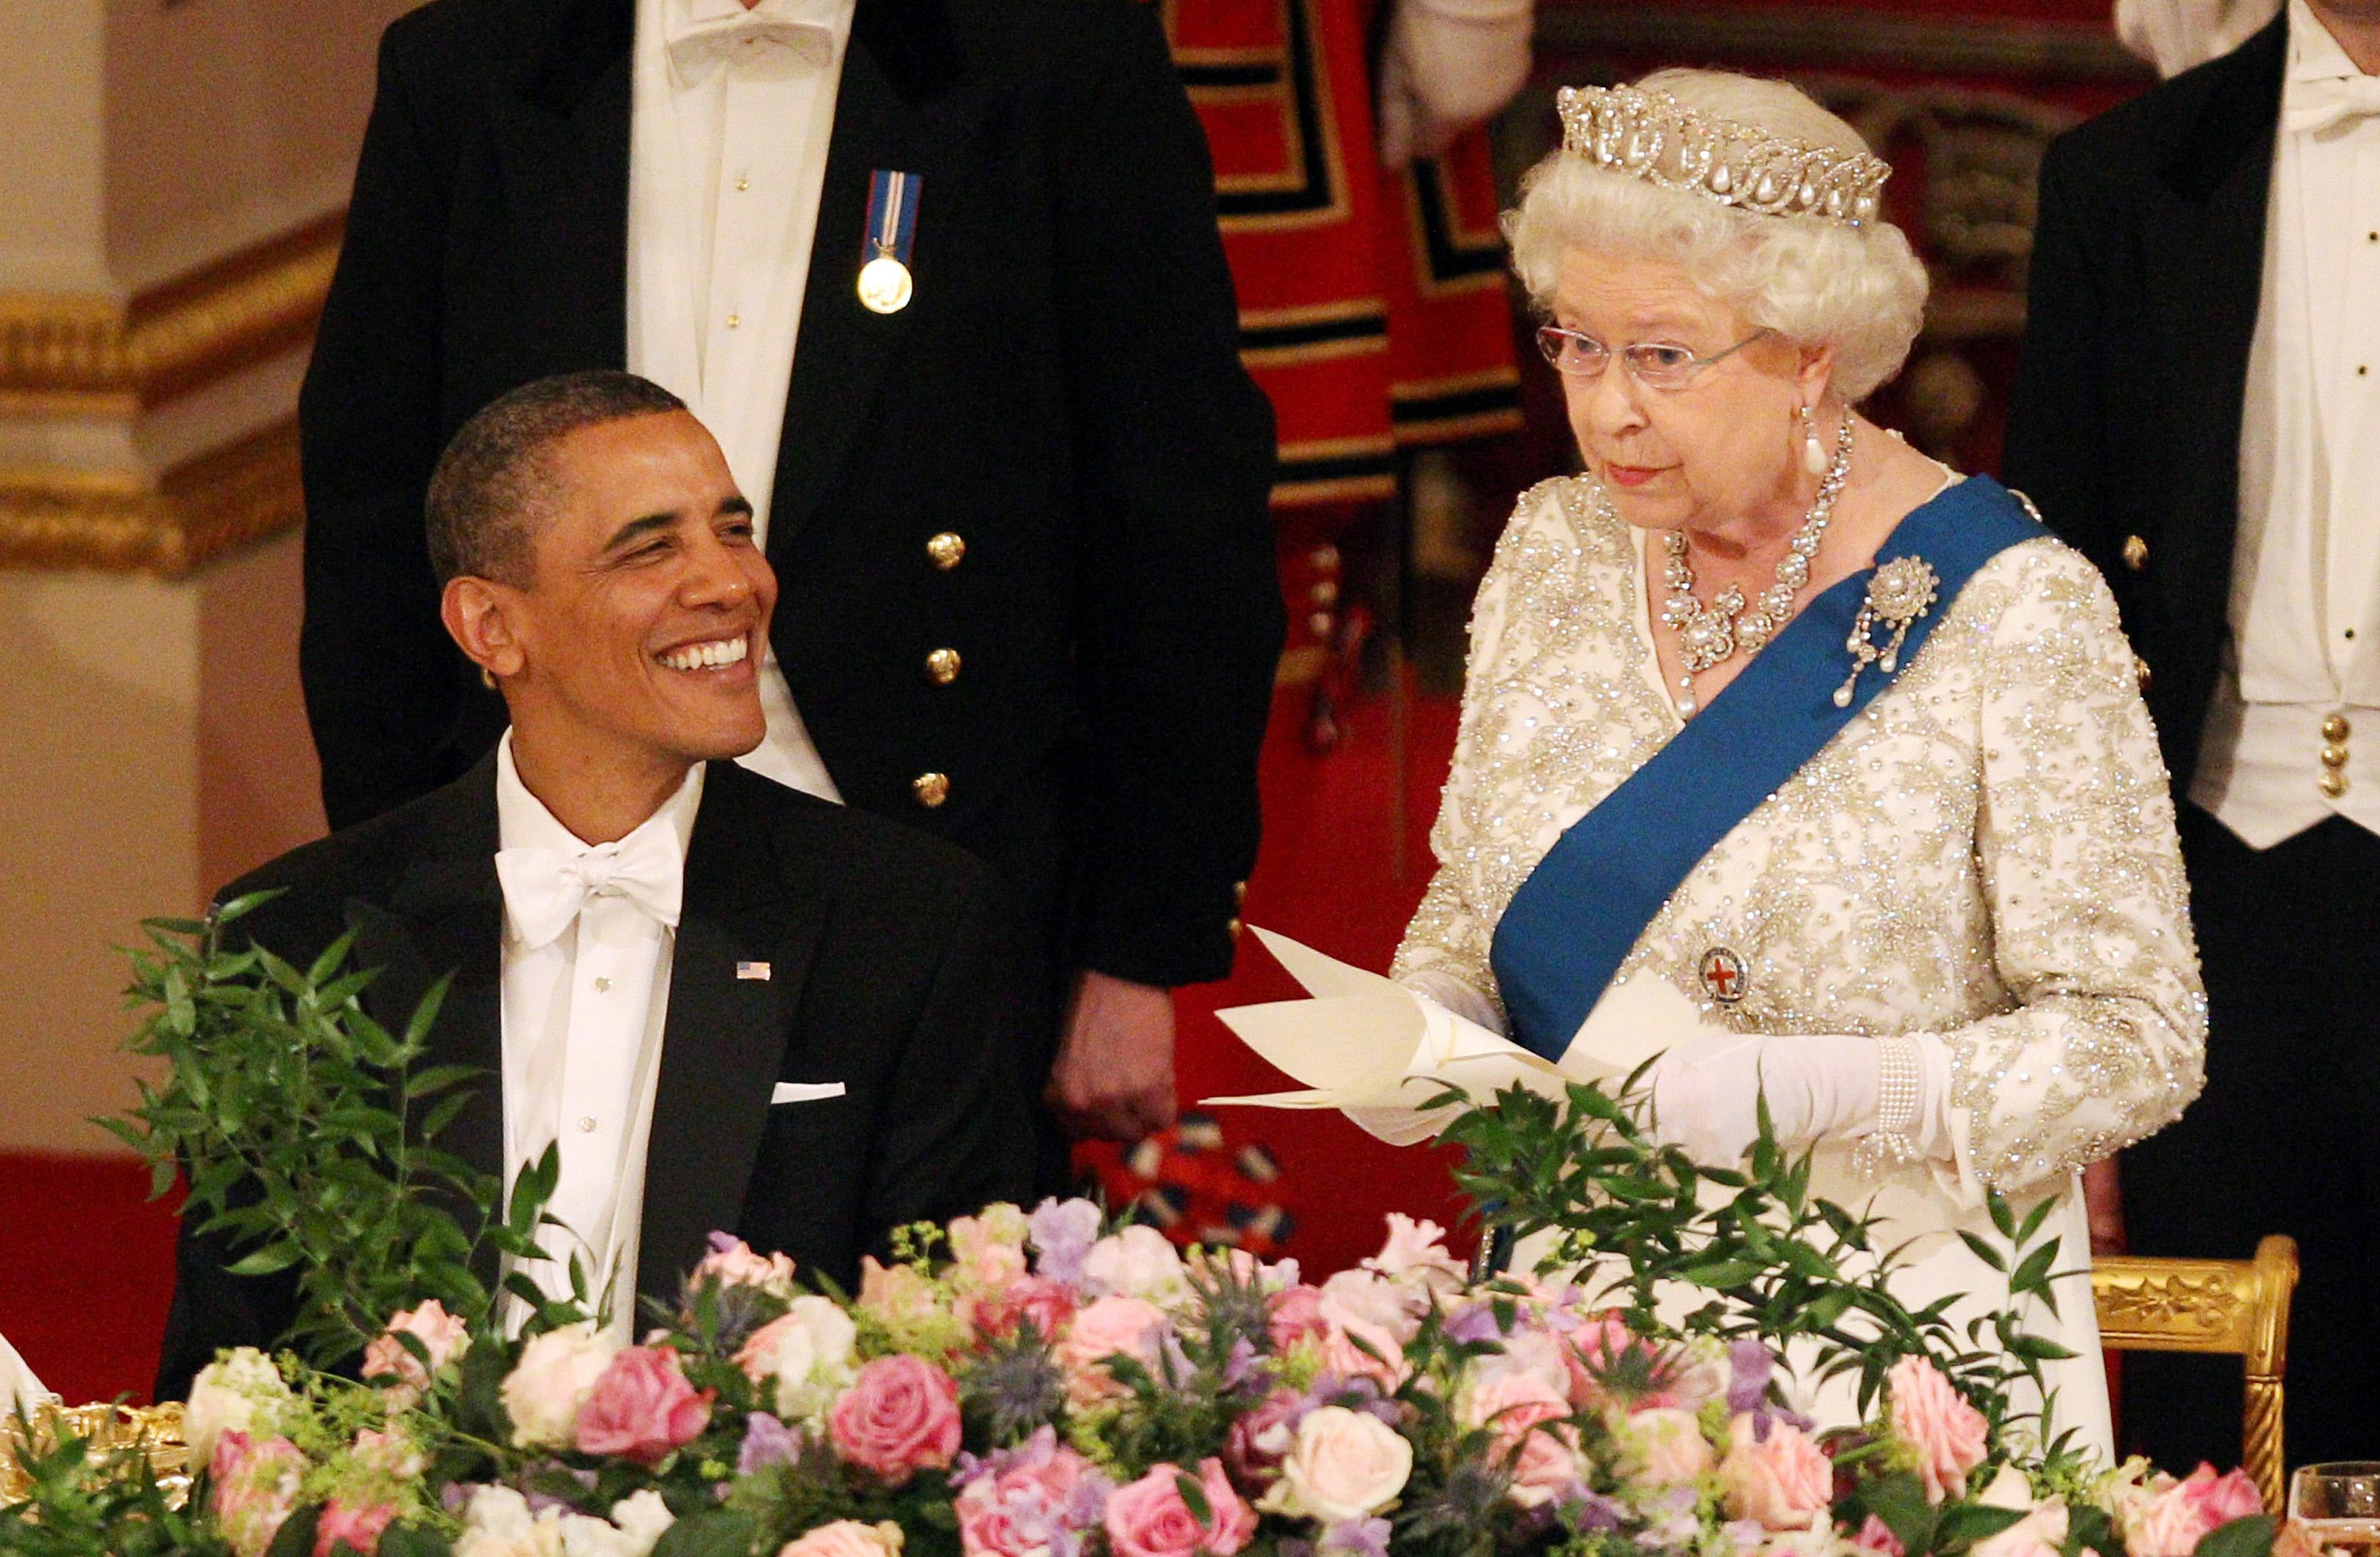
<point x="1583" y="908"/>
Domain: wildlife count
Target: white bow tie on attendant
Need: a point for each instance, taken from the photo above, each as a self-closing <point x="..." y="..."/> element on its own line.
<point x="544" y="888"/>
<point x="2333" y="100"/>
<point x="697" y="47"/>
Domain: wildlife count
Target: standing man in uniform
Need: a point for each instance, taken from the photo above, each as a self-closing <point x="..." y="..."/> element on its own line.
<point x="942" y="277"/>
<point x="2198" y="412"/>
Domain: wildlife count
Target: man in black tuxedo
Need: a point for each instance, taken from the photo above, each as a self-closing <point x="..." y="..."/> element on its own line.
<point x="2194" y="413"/>
<point x="1016" y="501"/>
<point x="734" y="1005"/>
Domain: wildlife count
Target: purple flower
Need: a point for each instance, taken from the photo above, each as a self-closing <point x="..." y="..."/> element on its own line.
<point x="1748" y="1367"/>
<point x="1357" y="1538"/>
<point x="1592" y="1511"/>
<point x="1473" y="1322"/>
<point x="1240" y="1371"/>
<point x="767" y="1441"/>
<point x="1063" y="1230"/>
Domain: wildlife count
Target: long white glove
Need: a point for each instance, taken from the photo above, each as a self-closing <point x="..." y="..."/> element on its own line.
<point x="1448" y="65"/>
<point x="18" y="1385"/>
<point x="1821" y="1087"/>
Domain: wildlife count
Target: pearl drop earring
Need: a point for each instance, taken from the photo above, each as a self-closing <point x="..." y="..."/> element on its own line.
<point x="1813" y="454"/>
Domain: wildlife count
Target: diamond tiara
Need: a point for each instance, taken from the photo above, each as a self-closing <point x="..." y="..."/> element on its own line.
<point x="1652" y="136"/>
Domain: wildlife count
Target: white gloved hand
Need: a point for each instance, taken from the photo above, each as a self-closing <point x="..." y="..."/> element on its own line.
<point x="1820" y="1086"/>
<point x="1448" y="65"/>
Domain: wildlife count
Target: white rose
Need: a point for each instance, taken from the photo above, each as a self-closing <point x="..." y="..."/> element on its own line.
<point x="1342" y="1464"/>
<point x="1368" y="1298"/>
<point x="809" y="1352"/>
<point x="498" y="1523"/>
<point x="1416" y="1252"/>
<point x="556" y="1371"/>
<point x="1137" y="1262"/>
<point x="242" y="1392"/>
<point x="2043" y="1528"/>
<point x="643" y="1518"/>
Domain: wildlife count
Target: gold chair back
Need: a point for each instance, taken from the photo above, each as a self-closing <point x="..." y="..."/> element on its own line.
<point x="2237" y="1307"/>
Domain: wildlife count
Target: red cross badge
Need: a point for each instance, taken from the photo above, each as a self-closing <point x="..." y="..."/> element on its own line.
<point x="1723" y="978"/>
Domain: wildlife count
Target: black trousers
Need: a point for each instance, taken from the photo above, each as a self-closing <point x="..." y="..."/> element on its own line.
<point x="2285" y="1139"/>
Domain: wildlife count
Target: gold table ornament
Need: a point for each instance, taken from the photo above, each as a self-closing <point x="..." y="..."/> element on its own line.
<point x="114" y="1433"/>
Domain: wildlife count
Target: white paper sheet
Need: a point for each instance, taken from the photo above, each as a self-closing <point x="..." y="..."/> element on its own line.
<point x="18" y="1385"/>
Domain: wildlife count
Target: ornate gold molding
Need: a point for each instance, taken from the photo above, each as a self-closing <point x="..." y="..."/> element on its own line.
<point x="201" y="510"/>
<point x="87" y="356"/>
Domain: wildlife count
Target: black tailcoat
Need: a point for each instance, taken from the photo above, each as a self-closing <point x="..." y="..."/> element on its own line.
<point x="1064" y="393"/>
<point x="883" y="974"/>
<point x="2147" y="277"/>
<point x="2148" y="265"/>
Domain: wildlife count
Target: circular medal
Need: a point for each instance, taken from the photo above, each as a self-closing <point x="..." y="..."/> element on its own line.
<point x="1723" y="976"/>
<point x="884" y="285"/>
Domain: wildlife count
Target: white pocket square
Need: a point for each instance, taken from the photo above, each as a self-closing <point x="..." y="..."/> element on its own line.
<point x="804" y="1091"/>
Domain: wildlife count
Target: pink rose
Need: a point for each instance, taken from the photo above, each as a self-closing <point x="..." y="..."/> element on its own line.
<point x="442" y="1334"/>
<point x="1876" y="1536"/>
<point x="1546" y="1468"/>
<point x="642" y="1408"/>
<point x="255" y="1489"/>
<point x="733" y="1262"/>
<point x="1150" y="1518"/>
<point x="1780" y="1481"/>
<point x="1260" y="1437"/>
<point x="360" y="1528"/>
<point x="2222" y="1499"/>
<point x="988" y="1251"/>
<point x="1933" y="1417"/>
<point x="1599" y="1341"/>
<point x="1667" y="1446"/>
<point x="846" y="1538"/>
<point x="1016" y="1513"/>
<point x="1111" y="1325"/>
<point x="1509" y="1405"/>
<point x="1296" y="1316"/>
<point x="895" y="1294"/>
<point x="900" y="1416"/>
<point x="1000" y="1315"/>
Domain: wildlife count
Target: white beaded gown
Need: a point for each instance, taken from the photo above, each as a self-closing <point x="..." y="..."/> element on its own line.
<point x="1985" y="853"/>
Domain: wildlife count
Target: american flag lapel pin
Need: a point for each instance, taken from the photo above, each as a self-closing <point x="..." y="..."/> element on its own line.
<point x="752" y="970"/>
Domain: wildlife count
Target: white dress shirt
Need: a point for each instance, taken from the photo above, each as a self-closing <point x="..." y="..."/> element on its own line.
<point x="2301" y="676"/>
<point x="582" y="1017"/>
<point x="731" y="113"/>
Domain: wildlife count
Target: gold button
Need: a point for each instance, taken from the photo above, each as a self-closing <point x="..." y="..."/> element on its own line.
<point x="2141" y="674"/>
<point x="2136" y="553"/>
<point x="942" y="664"/>
<point x="2334" y="757"/>
<point x="1239" y="894"/>
<point x="1325" y="592"/>
<point x="945" y="550"/>
<point x="743" y="183"/>
<point x="2333" y="785"/>
<point x="1234" y="928"/>
<point x="932" y="789"/>
<point x="602" y="986"/>
<point x="1318" y="624"/>
<point x="2337" y="728"/>
<point x="734" y="319"/>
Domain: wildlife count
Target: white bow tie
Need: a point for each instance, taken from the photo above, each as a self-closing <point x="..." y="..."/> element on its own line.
<point x="2318" y="104"/>
<point x="697" y="48"/>
<point x="544" y="888"/>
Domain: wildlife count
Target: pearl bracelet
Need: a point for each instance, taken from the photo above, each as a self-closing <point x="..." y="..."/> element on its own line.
<point x="1899" y="1090"/>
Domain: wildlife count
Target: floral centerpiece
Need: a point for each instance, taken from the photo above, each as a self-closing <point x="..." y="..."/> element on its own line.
<point x="1044" y="1384"/>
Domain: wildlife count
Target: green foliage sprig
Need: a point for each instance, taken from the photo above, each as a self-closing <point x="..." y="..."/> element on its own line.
<point x="1780" y="1262"/>
<point x="309" y="1132"/>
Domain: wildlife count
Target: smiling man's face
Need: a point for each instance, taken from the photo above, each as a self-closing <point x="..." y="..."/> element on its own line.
<point x="644" y="614"/>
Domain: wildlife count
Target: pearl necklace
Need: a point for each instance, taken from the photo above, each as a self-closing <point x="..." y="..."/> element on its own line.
<point x="1709" y="635"/>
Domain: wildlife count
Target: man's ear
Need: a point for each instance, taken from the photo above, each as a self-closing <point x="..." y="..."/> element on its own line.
<point x="482" y="617"/>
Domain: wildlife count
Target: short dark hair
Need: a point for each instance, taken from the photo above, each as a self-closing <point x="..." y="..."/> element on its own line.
<point x="490" y="486"/>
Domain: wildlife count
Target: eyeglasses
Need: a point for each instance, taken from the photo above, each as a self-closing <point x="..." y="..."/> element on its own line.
<point x="1654" y="364"/>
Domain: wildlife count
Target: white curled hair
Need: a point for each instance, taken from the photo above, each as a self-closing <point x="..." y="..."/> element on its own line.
<point x="1861" y="290"/>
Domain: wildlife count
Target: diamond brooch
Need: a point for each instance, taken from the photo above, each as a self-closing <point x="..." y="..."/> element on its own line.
<point x="1902" y="590"/>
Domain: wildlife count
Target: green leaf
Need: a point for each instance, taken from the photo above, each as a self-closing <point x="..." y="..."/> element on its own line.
<point x="1984" y="1250"/>
<point x="295" y="1536"/>
<point x="725" y="1532"/>
<point x="2251" y="1536"/>
<point x="413" y="1540"/>
<point x="265" y="1262"/>
<point x="1194" y="1498"/>
<point x="1963" y="1525"/>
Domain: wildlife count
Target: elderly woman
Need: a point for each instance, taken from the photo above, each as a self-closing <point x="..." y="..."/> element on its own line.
<point x="1771" y="709"/>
